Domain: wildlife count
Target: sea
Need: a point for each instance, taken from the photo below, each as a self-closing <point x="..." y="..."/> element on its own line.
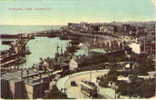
<point x="40" y="47"/>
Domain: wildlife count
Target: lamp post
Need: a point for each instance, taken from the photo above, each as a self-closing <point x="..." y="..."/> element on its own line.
<point x="90" y="75"/>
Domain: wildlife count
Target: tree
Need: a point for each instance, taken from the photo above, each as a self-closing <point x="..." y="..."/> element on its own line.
<point x="146" y="89"/>
<point x="111" y="76"/>
<point x="103" y="81"/>
<point x="55" y="94"/>
<point x="146" y="66"/>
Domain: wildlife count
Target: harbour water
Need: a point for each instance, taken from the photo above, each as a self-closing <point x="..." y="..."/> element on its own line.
<point x="43" y="47"/>
<point x="16" y="29"/>
<point x="40" y="47"/>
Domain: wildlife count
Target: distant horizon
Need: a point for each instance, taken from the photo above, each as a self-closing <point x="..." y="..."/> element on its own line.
<point x="79" y="22"/>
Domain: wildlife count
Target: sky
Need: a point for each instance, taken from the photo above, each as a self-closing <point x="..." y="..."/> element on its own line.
<point x="60" y="12"/>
